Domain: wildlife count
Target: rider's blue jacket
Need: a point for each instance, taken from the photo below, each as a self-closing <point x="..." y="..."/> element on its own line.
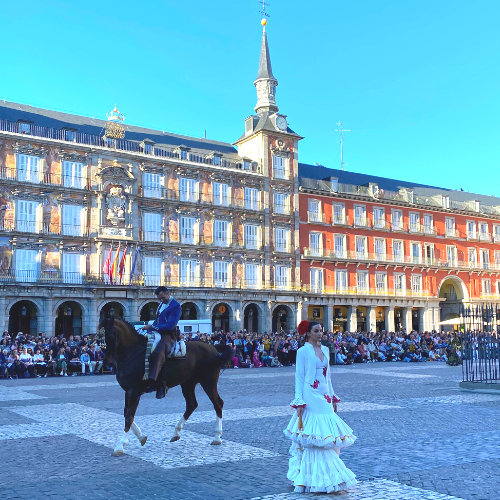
<point x="167" y="319"/>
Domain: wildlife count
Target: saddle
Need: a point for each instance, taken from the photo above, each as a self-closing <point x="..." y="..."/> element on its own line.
<point x="178" y="349"/>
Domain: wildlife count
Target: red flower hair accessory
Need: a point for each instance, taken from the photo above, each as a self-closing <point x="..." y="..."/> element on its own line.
<point x="303" y="327"/>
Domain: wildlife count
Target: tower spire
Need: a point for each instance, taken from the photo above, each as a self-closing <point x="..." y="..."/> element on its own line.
<point x="265" y="83"/>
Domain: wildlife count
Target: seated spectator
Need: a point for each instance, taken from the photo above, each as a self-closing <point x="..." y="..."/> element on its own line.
<point x="62" y="362"/>
<point x="256" y="362"/>
<point x="85" y="361"/>
<point x="40" y="364"/>
<point x="13" y="364"/>
<point x="74" y="364"/>
<point x="27" y="365"/>
<point x="4" y="372"/>
<point x="50" y="361"/>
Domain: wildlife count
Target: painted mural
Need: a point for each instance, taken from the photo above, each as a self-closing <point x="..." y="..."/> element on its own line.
<point x="51" y="215"/>
<point x="7" y="213"/>
<point x="53" y="166"/>
<point x="171" y="268"/>
<point x="5" y="254"/>
<point x="172" y="225"/>
<point x="51" y="259"/>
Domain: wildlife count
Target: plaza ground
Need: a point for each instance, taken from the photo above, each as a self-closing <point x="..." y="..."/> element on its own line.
<point x="419" y="438"/>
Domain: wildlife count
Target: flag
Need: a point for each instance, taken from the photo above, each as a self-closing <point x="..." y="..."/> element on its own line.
<point x="114" y="267"/>
<point x="133" y="265"/>
<point x="121" y="267"/>
<point x="105" y="268"/>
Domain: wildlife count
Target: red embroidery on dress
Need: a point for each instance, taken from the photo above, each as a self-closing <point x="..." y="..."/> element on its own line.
<point x="324" y="371"/>
<point x="328" y="398"/>
<point x="315" y="385"/>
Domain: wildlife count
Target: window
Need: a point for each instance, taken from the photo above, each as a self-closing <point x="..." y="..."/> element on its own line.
<point x="73" y="175"/>
<point x="246" y="164"/>
<point x="252" y="240"/>
<point x="487" y="287"/>
<point x="497" y="259"/>
<point x="414" y="222"/>
<point x="27" y="217"/>
<point x="281" y="239"/>
<point x="188" y="230"/>
<point x="188" y="190"/>
<point x="359" y="216"/>
<point x="362" y="280"/>
<point x="416" y="284"/>
<point x="378" y="217"/>
<point x="316" y="244"/>
<point x="69" y="135"/>
<point x="484" y="235"/>
<point x="485" y="258"/>
<point x="472" y="257"/>
<point x="428" y="224"/>
<point x="252" y="275"/>
<point x="220" y="233"/>
<point x="24" y="127"/>
<point x="72" y="219"/>
<point x="381" y="282"/>
<point x="221" y="273"/>
<point x="216" y="160"/>
<point x="399" y="284"/>
<point x="251" y="198"/>
<point x="339" y="246"/>
<point x="451" y="255"/>
<point x="279" y="167"/>
<point x="189" y="272"/>
<point x="316" y="280"/>
<point x="338" y="213"/>
<point x="361" y="247"/>
<point x="282" y="279"/>
<point x="334" y="184"/>
<point x="314" y="211"/>
<point x="496" y="233"/>
<point x="398" y="250"/>
<point x="184" y="154"/>
<point x="380" y="248"/>
<point x="471" y="230"/>
<point x="26" y="265"/>
<point x="450" y="226"/>
<point x="72" y="268"/>
<point x="281" y="203"/>
<point x="152" y="185"/>
<point x="152" y="227"/>
<point x="416" y="253"/>
<point x="497" y="282"/>
<point x="429" y="253"/>
<point x="341" y="281"/>
<point x="152" y="271"/>
<point x="221" y="194"/>
<point x="28" y="168"/>
<point x="397" y="220"/>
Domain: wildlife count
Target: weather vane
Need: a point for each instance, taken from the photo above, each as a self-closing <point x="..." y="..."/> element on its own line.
<point x="263" y="12"/>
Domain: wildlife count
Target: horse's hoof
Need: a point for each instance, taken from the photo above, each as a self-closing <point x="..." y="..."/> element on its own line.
<point x="143" y="440"/>
<point x="216" y="442"/>
<point x="175" y="438"/>
<point x="118" y="453"/>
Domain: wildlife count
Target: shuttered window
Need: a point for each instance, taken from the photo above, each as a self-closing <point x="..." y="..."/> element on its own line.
<point x="27" y="216"/>
<point x="72" y="268"/>
<point x="188" y="230"/>
<point x="152" y="185"/>
<point x="28" y="168"/>
<point x="152" y="227"/>
<point x="221" y="194"/>
<point x="188" y="189"/>
<point x="221" y="273"/>
<point x="189" y="272"/>
<point x="72" y="220"/>
<point x="152" y="271"/>
<point x="26" y="265"/>
<point x="73" y="174"/>
<point x="252" y="275"/>
<point x="220" y="233"/>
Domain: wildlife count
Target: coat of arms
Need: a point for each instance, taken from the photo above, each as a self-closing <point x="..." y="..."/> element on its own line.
<point x="115" y="206"/>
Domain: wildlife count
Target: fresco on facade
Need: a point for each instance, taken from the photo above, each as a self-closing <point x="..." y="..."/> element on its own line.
<point x="237" y="271"/>
<point x="171" y="268"/>
<point x="205" y="187"/>
<point x="6" y="210"/>
<point x="5" y="254"/>
<point x="206" y="268"/>
<point x="172" y="182"/>
<point x="206" y="228"/>
<point x="7" y="160"/>
<point x="51" y="259"/>
<point x="53" y="166"/>
<point x="172" y="225"/>
<point x="237" y="230"/>
<point x="238" y="191"/>
<point x="51" y="215"/>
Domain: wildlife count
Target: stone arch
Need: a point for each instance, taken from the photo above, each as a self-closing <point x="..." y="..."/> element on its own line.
<point x="462" y="294"/>
<point x="23" y="316"/>
<point x="147" y="311"/>
<point x="190" y="310"/>
<point x="222" y="316"/>
<point x="252" y="317"/>
<point x="283" y="318"/>
<point x="68" y="316"/>
<point x="62" y="301"/>
<point x="123" y="305"/>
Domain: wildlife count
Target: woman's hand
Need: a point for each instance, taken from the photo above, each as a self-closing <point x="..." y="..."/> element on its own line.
<point x="335" y="407"/>
<point x="300" y="411"/>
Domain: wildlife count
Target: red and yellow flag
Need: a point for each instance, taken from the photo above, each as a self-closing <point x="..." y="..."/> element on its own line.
<point x="114" y="268"/>
<point x="121" y="267"/>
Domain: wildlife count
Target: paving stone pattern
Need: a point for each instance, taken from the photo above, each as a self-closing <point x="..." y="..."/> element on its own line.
<point x="419" y="438"/>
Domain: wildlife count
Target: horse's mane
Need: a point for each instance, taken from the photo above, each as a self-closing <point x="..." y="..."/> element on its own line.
<point x="128" y="333"/>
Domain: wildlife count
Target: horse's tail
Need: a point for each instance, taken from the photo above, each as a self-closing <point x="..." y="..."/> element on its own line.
<point x="226" y="353"/>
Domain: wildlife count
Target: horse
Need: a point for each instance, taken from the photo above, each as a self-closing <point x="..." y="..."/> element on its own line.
<point x="126" y="348"/>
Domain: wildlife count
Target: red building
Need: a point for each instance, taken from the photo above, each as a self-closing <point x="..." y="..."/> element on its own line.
<point x="382" y="254"/>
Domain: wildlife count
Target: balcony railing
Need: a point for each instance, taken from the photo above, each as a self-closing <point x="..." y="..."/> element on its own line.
<point x="451" y="232"/>
<point x="415" y="228"/>
<point x="47" y="178"/>
<point x="340" y="220"/>
<point x="429" y="229"/>
<point x="37" y="227"/>
<point x="362" y="222"/>
<point x="472" y="236"/>
<point x="315" y="217"/>
<point x="381" y="224"/>
<point x="125" y="146"/>
<point x="282" y="209"/>
<point x="353" y="290"/>
<point x="485" y="237"/>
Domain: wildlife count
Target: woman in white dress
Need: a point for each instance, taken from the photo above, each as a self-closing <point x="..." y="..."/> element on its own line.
<point x="317" y="433"/>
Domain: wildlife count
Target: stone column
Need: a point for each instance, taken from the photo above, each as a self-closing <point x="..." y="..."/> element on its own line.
<point x="92" y="319"/>
<point x="407" y="319"/>
<point x="371" y="319"/>
<point x="352" y="318"/>
<point x="50" y="317"/>
<point x="4" y="316"/>
<point x="422" y="326"/>
<point x="327" y="318"/>
<point x="390" y="325"/>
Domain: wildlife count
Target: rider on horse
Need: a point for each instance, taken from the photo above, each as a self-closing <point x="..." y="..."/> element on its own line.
<point x="167" y="315"/>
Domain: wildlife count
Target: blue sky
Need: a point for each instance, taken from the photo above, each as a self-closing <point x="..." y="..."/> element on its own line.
<point x="417" y="82"/>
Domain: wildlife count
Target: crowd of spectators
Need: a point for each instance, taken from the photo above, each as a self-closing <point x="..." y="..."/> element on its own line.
<point x="254" y="350"/>
<point x="25" y="356"/>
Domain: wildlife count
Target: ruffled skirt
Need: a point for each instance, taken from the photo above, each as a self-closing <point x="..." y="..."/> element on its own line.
<point x="315" y="465"/>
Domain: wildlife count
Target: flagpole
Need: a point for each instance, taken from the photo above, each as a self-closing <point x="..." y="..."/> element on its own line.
<point x="133" y="265"/>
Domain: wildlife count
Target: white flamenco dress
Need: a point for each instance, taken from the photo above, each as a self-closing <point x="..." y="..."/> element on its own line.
<point x="315" y="465"/>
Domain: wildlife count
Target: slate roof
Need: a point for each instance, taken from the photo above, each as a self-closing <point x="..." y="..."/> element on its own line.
<point x="55" y="119"/>
<point x="265" y="69"/>
<point x="320" y="172"/>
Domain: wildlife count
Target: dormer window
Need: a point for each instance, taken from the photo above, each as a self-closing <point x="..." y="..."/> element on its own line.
<point x="24" y="127"/>
<point x="147" y="146"/>
<point x="182" y="151"/>
<point x="184" y="154"/>
<point x="246" y="164"/>
<point x="69" y="134"/>
<point x="334" y="184"/>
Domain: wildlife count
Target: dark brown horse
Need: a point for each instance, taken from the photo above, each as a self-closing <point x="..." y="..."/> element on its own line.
<point x="127" y="349"/>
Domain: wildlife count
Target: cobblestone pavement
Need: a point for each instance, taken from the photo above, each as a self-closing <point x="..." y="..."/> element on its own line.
<point x="419" y="438"/>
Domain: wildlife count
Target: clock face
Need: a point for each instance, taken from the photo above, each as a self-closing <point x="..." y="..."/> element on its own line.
<point x="281" y="123"/>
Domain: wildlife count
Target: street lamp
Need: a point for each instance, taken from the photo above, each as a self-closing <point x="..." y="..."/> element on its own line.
<point x="23" y="311"/>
